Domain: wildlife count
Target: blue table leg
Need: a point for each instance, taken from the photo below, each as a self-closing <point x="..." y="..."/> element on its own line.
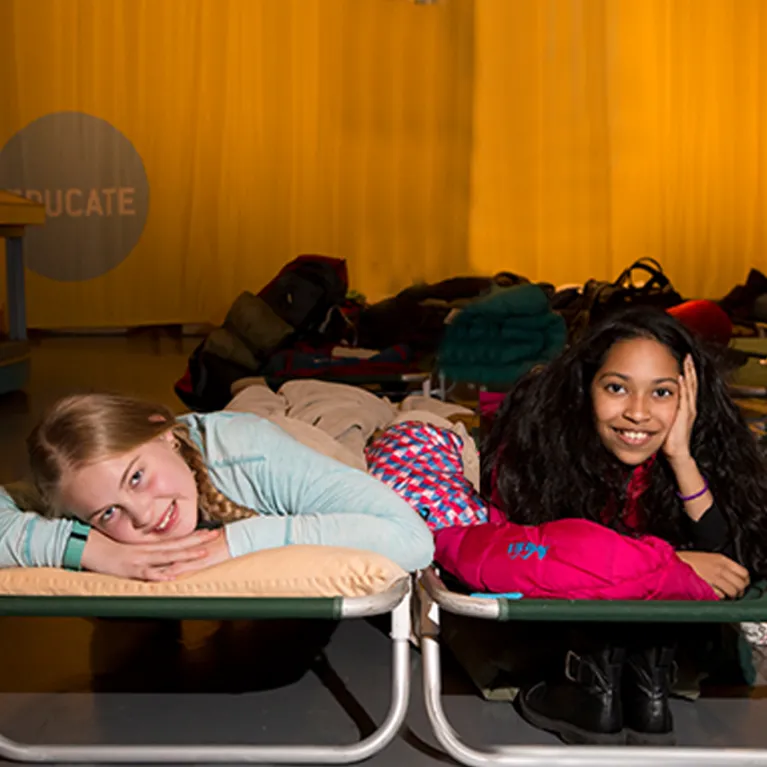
<point x="17" y="301"/>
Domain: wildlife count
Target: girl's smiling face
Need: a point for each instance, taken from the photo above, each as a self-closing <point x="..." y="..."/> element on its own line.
<point x="635" y="397"/>
<point x="148" y="494"/>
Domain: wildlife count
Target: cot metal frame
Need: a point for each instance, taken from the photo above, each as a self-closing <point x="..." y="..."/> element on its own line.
<point x="395" y="600"/>
<point x="434" y="597"/>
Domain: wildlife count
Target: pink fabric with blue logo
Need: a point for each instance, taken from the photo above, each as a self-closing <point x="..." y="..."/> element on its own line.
<point x="566" y="559"/>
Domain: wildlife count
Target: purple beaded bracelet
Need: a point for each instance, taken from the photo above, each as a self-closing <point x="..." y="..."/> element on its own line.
<point x="686" y="498"/>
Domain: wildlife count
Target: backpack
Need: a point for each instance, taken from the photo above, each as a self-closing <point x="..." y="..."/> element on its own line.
<point x="656" y="291"/>
<point x="297" y="305"/>
<point x="306" y="290"/>
<point x="600" y="299"/>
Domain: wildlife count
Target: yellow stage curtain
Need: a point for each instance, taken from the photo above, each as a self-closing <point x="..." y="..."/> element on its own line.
<point x="608" y="130"/>
<point x="267" y="128"/>
<point x="561" y="139"/>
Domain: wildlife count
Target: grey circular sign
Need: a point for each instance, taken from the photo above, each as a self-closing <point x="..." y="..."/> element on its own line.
<point x="93" y="185"/>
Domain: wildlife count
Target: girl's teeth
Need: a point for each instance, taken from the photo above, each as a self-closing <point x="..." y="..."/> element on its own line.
<point x="165" y="519"/>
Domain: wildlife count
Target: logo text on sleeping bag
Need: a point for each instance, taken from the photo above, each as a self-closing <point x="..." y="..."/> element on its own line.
<point x="94" y="187"/>
<point x="525" y="550"/>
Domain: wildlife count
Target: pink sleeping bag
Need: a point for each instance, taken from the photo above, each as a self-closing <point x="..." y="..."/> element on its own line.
<point x="566" y="559"/>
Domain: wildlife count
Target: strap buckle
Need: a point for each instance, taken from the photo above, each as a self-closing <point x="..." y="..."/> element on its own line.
<point x="573" y="666"/>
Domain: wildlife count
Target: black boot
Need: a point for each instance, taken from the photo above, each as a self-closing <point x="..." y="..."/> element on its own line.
<point x="585" y="707"/>
<point x="647" y="681"/>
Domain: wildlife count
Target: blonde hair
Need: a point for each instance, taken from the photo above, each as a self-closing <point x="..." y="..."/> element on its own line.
<point x="86" y="428"/>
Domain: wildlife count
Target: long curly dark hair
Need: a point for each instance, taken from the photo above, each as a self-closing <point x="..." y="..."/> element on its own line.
<point x="545" y="460"/>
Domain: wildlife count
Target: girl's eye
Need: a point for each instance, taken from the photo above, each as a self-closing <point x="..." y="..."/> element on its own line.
<point x="136" y="478"/>
<point x="663" y="393"/>
<point x="109" y="514"/>
<point x="614" y="388"/>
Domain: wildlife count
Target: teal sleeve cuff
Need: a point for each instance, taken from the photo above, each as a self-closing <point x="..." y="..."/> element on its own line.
<point x="73" y="551"/>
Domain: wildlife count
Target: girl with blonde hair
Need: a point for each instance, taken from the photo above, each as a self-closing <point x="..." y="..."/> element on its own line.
<point x="126" y="488"/>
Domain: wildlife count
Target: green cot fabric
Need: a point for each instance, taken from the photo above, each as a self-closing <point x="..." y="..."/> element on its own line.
<point x="755" y="346"/>
<point x="752" y="607"/>
<point x="751" y="374"/>
<point x="172" y="608"/>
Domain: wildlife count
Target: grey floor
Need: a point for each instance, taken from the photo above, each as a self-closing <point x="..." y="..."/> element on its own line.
<point x="77" y="681"/>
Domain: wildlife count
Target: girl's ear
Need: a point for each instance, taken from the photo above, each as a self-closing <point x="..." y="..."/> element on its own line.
<point x="169" y="437"/>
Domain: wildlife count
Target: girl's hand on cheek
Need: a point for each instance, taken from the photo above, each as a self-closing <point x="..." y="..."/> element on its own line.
<point x="677" y="444"/>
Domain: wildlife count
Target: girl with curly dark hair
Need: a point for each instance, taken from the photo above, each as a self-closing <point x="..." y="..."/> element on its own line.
<point x="631" y="427"/>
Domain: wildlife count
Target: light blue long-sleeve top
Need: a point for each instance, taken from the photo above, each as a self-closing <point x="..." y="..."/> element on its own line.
<point x="302" y="497"/>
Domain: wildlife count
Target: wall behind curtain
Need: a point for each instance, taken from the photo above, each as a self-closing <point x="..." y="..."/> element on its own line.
<point x="267" y="128"/>
<point x="608" y="130"/>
